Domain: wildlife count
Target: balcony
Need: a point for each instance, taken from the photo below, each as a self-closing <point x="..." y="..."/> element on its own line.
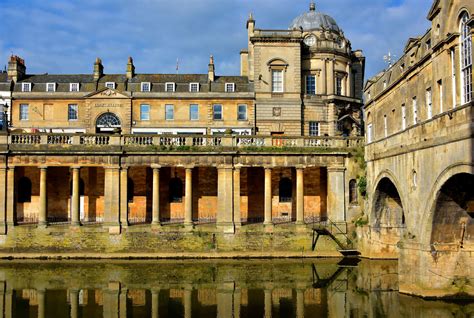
<point x="53" y="142"/>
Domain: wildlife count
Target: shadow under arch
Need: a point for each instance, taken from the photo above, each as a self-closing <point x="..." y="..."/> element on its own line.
<point x="387" y="207"/>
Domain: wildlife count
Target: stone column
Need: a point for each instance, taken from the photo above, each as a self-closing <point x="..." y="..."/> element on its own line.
<point x="74" y="299"/>
<point x="299" y="196"/>
<point x="124" y="196"/>
<point x="155" y="303"/>
<point x="330" y="78"/>
<point x="41" y="298"/>
<point x="349" y="80"/>
<point x="225" y="300"/>
<point x="75" y="197"/>
<point x="299" y="303"/>
<point x="336" y="194"/>
<point x="188" y="302"/>
<point x="237" y="211"/>
<point x="10" y="197"/>
<point x="324" y="78"/>
<point x="156" y="196"/>
<point x="268" y="197"/>
<point x="43" y="208"/>
<point x="188" y="198"/>
<point x="268" y="303"/>
<point x="3" y="200"/>
<point x="112" y="199"/>
<point x="225" y="215"/>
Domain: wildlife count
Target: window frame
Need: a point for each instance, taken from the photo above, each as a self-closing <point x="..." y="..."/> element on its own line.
<point x="275" y="89"/>
<point x="370" y="133"/>
<point x="191" y="87"/>
<point x="173" y="85"/>
<point x="169" y="107"/>
<point x="142" y="112"/>
<point x="142" y="85"/>
<point x="311" y="129"/>
<point x="70" y="107"/>
<point x="71" y="85"/>
<point x="404" y="117"/>
<point x="26" y="87"/>
<point x="191" y="112"/>
<point x="227" y="87"/>
<point x="466" y="58"/>
<point x="429" y="103"/>
<point x="338" y="84"/>
<point x="53" y="86"/>
<point x="315" y="85"/>
<point x="22" y="106"/>
<point x="238" y="112"/>
<point x="214" y="112"/>
<point x="415" y="110"/>
<point x="107" y="84"/>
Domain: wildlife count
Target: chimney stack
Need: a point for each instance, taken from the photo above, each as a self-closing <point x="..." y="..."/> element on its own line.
<point x="98" y="69"/>
<point x="211" y="70"/>
<point x="16" y="68"/>
<point x="130" y="68"/>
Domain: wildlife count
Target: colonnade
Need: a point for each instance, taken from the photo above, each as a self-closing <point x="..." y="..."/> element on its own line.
<point x="228" y="207"/>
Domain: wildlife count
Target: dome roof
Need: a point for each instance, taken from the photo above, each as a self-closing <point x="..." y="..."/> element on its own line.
<point x="313" y="20"/>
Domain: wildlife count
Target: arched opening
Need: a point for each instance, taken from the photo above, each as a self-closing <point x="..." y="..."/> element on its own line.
<point x="453" y="218"/>
<point x="176" y="190"/>
<point x="353" y="197"/>
<point x="24" y="190"/>
<point x="285" y="190"/>
<point x="108" y="123"/>
<point x="388" y="209"/>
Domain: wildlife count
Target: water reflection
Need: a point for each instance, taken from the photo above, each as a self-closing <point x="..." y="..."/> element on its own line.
<point x="250" y="288"/>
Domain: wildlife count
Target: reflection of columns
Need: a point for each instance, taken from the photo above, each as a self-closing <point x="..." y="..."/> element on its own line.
<point x="299" y="303"/>
<point x="123" y="303"/>
<point x="74" y="299"/>
<point x="43" y="197"/>
<point x="75" y="197"/>
<point x="225" y="300"/>
<point x="3" y="201"/>
<point x="225" y="218"/>
<point x="41" y="298"/>
<point x="188" y="198"/>
<point x="112" y="199"/>
<point x="156" y="196"/>
<point x="187" y="300"/>
<point x="237" y="211"/>
<point x="299" y="196"/>
<point x="268" y="196"/>
<point x="237" y="299"/>
<point x="155" y="303"/>
<point x="2" y="300"/>
<point x="111" y="300"/>
<point x="8" y="303"/>
<point x="268" y="303"/>
<point x="330" y="78"/>
<point x="10" y="196"/>
<point x="336" y="194"/>
<point x="124" y="196"/>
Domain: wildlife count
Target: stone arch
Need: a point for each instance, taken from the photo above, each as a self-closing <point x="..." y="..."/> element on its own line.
<point x="108" y="122"/>
<point x="387" y="208"/>
<point x="435" y="199"/>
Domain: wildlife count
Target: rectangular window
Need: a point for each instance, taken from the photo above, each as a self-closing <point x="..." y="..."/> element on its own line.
<point x="311" y="85"/>
<point x="314" y="128"/>
<point x="74" y="87"/>
<point x="429" y="103"/>
<point x="26" y="87"/>
<point x="242" y="112"/>
<point x="145" y="86"/>
<point x="453" y="77"/>
<point x="338" y="86"/>
<point x="404" y="117"/>
<point x="385" y="126"/>
<point x="24" y="111"/>
<point x="230" y="87"/>
<point x="170" y="87"/>
<point x="169" y="112"/>
<point x="51" y="87"/>
<point x="369" y="133"/>
<point x="72" y="112"/>
<point x="415" y="111"/>
<point x="144" y="112"/>
<point x="194" y="87"/>
<point x="277" y="81"/>
<point x="217" y="112"/>
<point x="440" y="92"/>
<point x="110" y="85"/>
<point x="466" y="60"/>
<point x="194" y="112"/>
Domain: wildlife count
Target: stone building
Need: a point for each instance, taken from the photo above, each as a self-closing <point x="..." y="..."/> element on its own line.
<point x="5" y="99"/>
<point x="272" y="145"/>
<point x="419" y="153"/>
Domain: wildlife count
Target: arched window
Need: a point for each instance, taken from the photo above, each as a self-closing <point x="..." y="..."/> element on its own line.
<point x="466" y="59"/>
<point x="24" y="190"/>
<point x="176" y="190"/>
<point x="130" y="190"/>
<point x="353" y="191"/>
<point x="286" y="190"/>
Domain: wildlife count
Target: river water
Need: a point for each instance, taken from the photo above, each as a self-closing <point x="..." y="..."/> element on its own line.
<point x="211" y="288"/>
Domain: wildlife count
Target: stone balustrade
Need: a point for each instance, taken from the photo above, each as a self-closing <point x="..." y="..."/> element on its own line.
<point x="186" y="142"/>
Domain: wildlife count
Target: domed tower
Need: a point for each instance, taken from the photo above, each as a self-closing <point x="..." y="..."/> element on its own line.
<point x="310" y="72"/>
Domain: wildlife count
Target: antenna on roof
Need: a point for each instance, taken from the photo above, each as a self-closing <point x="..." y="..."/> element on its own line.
<point x="389" y="58"/>
<point x="177" y="65"/>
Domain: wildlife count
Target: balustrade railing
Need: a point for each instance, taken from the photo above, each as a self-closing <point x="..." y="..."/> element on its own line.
<point x="176" y="141"/>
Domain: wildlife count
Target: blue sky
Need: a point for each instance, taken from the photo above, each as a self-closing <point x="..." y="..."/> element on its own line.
<point x="65" y="36"/>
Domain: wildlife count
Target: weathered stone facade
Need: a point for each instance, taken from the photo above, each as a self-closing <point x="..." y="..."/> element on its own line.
<point x="419" y="129"/>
